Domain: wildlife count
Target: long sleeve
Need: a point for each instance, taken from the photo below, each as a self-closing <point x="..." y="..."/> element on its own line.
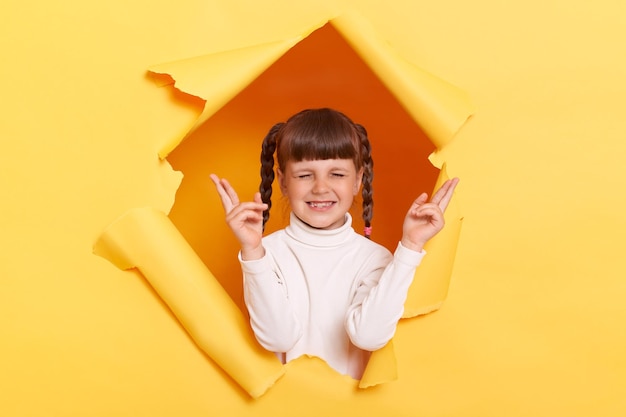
<point x="332" y="294"/>
<point x="271" y="314"/>
<point x="379" y="300"/>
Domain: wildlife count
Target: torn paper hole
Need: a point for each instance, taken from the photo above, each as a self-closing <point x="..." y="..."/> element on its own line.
<point x="342" y="65"/>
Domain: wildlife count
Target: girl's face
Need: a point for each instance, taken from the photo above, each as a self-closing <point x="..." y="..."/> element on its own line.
<point x="321" y="192"/>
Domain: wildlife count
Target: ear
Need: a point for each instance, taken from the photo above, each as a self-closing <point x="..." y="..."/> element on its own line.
<point x="281" y="181"/>
<point x="359" y="181"/>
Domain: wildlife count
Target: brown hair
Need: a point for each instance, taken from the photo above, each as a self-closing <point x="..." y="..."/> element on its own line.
<point x="315" y="134"/>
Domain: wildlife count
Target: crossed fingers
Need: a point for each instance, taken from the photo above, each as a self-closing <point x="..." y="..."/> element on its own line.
<point x="444" y="194"/>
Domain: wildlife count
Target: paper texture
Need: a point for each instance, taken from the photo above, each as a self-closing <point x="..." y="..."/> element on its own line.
<point x="438" y="107"/>
<point x="218" y="77"/>
<point x="533" y="324"/>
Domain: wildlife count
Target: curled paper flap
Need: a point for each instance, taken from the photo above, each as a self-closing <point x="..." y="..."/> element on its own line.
<point x="438" y="107"/>
<point x="428" y="290"/>
<point x="432" y="278"/>
<point x="146" y="239"/>
<point x="219" y="77"/>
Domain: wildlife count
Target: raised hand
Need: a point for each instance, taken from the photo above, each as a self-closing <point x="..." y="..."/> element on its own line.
<point x="425" y="218"/>
<point x="245" y="219"/>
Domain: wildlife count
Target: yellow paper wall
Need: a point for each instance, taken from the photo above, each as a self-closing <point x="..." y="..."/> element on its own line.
<point x="534" y="320"/>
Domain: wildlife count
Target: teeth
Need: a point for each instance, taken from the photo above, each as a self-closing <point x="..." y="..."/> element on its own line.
<point x="320" y="205"/>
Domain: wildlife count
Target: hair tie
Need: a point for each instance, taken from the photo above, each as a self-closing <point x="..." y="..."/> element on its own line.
<point x="367" y="231"/>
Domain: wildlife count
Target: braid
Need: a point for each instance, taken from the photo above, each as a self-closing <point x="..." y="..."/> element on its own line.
<point x="267" y="169"/>
<point x="368" y="177"/>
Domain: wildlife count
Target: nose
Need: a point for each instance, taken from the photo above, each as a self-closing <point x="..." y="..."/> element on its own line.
<point x="320" y="186"/>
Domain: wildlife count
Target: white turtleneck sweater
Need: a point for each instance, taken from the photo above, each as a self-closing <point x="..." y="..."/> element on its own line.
<point x="328" y="293"/>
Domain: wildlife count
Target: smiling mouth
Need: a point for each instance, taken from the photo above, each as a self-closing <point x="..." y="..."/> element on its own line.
<point x="320" y="204"/>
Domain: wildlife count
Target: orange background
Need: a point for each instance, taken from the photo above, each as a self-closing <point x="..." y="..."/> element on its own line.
<point x="321" y="71"/>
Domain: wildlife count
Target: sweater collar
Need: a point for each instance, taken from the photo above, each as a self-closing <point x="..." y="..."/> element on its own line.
<point x="308" y="235"/>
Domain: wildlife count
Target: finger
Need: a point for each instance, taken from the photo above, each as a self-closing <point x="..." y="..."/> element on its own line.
<point x="438" y="195"/>
<point x="427" y="210"/>
<point x="242" y="217"/>
<point x="445" y="188"/>
<point x="245" y="215"/>
<point x="225" y="199"/>
<point x="445" y="199"/>
<point x="246" y="208"/>
<point x="430" y="215"/>
<point x="257" y="198"/>
<point x="227" y="194"/>
<point x="423" y="198"/>
<point x="231" y="191"/>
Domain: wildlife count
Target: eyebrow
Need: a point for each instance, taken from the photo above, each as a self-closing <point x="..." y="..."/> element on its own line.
<point x="331" y="168"/>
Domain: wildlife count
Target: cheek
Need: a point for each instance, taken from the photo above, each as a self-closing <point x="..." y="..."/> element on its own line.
<point x="294" y="190"/>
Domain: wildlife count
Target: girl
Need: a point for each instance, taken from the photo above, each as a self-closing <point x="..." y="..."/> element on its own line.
<point x="317" y="287"/>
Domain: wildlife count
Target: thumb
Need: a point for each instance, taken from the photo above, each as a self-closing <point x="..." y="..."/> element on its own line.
<point x="421" y="199"/>
<point x="257" y="198"/>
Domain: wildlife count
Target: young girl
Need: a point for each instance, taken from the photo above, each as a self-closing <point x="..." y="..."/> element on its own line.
<point x="317" y="287"/>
